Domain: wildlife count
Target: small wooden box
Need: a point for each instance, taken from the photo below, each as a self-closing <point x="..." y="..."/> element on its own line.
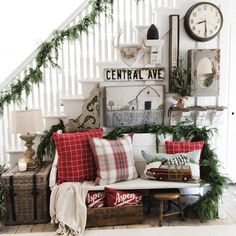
<point x="109" y="216"/>
<point x="26" y="195"/>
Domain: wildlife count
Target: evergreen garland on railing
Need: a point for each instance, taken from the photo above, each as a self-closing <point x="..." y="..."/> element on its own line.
<point x="48" y="53"/>
<point x="206" y="208"/>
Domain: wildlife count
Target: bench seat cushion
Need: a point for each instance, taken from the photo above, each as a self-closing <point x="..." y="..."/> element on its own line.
<point x="146" y="184"/>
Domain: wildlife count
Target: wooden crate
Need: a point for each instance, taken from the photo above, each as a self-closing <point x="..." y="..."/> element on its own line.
<point x="109" y="216"/>
<point x="26" y="195"/>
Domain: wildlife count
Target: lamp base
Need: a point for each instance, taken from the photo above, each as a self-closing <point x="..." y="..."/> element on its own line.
<point x="29" y="152"/>
<point x="31" y="166"/>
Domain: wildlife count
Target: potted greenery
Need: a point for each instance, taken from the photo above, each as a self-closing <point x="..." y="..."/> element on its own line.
<point x="179" y="84"/>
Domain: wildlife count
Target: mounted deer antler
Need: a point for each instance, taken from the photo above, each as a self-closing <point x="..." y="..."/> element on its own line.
<point x="127" y="51"/>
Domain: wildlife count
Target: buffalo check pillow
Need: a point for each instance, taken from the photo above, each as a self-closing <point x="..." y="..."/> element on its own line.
<point x="173" y="147"/>
<point x="114" y="160"/>
<point x="75" y="157"/>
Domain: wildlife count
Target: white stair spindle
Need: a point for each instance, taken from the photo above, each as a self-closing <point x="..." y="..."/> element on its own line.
<point x="99" y="40"/>
<point x="118" y="23"/>
<point x="87" y="51"/>
<point x="105" y="39"/>
<point x="45" y="94"/>
<point x="75" y="65"/>
<point x="131" y="22"/>
<point x="137" y="7"/>
<point x="150" y="13"/>
<point x="81" y="55"/>
<point x="94" y="55"/>
<point x="15" y="139"/>
<point x="112" y="34"/>
<point x="69" y="68"/>
<point x="57" y="92"/>
<point x="8" y="127"/>
<point x="51" y="97"/>
<point x="63" y="71"/>
<point x="124" y="22"/>
<point x="143" y="13"/>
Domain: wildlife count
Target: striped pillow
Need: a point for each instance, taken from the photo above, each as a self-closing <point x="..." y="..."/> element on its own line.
<point x="114" y="160"/>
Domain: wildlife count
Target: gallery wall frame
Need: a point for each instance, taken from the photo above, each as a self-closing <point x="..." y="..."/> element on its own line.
<point x="133" y="105"/>
<point x="204" y="66"/>
<point x="173" y="44"/>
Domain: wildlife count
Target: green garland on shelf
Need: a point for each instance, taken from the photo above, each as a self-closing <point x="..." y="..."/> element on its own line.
<point x="48" y="53"/>
<point x="206" y="208"/>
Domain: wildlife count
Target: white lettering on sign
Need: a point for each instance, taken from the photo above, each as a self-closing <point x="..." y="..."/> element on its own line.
<point x="138" y="74"/>
<point x="129" y="198"/>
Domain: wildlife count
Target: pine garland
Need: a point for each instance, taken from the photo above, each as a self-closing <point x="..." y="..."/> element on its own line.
<point x="206" y="208"/>
<point x="47" y="145"/>
<point x="48" y="53"/>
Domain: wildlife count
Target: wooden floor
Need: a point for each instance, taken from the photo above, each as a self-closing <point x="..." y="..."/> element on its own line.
<point x="227" y="210"/>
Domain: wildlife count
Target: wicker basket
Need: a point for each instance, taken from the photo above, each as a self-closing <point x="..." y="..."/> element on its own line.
<point x="26" y="195"/>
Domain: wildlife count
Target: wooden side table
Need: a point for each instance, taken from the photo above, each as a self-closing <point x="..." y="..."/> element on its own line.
<point x="26" y="195"/>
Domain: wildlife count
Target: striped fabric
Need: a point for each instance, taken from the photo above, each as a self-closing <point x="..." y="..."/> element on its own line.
<point x="182" y="159"/>
<point x="114" y="160"/>
<point x="76" y="162"/>
<point x="173" y="147"/>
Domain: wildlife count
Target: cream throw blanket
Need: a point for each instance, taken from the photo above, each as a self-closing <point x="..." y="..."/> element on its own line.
<point x="68" y="208"/>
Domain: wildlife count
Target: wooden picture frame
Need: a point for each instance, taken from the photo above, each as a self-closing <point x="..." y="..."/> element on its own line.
<point x="134" y="105"/>
<point x="173" y="45"/>
<point x="204" y="65"/>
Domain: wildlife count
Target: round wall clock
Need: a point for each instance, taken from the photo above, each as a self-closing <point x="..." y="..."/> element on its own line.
<point x="203" y="21"/>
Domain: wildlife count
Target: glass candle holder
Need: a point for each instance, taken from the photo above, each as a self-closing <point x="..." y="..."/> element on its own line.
<point x="22" y="165"/>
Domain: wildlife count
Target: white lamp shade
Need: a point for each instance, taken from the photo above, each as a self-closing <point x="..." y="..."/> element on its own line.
<point x="27" y="121"/>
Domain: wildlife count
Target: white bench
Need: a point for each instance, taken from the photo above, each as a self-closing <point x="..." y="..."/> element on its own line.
<point x="141" y="142"/>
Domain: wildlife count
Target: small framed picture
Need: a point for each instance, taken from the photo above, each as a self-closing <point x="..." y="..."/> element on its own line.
<point x="134" y="105"/>
<point x="204" y="65"/>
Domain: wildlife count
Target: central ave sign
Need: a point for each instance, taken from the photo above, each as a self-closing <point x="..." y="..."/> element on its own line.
<point x="138" y="74"/>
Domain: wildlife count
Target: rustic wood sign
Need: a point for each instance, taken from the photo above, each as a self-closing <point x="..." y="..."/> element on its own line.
<point x="138" y="74"/>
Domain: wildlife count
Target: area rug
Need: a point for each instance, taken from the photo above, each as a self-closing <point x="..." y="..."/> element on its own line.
<point x="212" y="230"/>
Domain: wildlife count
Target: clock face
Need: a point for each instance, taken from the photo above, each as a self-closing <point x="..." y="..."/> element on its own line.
<point x="203" y="21"/>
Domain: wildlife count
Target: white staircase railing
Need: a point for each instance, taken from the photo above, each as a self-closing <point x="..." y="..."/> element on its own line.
<point x="78" y="61"/>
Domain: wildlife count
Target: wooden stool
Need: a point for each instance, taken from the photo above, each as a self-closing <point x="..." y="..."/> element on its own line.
<point x="168" y="195"/>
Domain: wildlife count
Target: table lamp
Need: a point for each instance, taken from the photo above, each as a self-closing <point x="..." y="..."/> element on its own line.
<point x="27" y="123"/>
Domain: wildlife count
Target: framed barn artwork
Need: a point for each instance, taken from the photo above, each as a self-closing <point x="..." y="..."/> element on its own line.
<point x="134" y="105"/>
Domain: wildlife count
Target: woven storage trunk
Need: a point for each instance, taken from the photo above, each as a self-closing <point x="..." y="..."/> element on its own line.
<point x="109" y="216"/>
<point x="26" y="195"/>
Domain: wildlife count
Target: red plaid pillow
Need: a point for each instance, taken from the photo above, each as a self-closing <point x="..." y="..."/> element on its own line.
<point x="95" y="199"/>
<point x="114" y="160"/>
<point x="122" y="198"/>
<point x="75" y="162"/>
<point x="173" y="147"/>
